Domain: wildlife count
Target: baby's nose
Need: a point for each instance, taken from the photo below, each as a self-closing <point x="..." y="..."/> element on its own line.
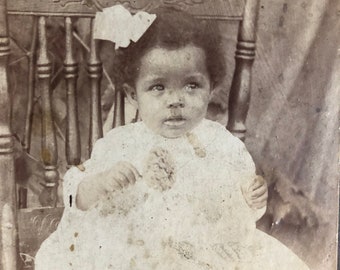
<point x="175" y="100"/>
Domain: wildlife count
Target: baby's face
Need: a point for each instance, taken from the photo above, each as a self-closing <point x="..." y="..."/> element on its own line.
<point x="173" y="90"/>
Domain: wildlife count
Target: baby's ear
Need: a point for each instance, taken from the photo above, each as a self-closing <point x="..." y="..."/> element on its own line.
<point x="131" y="95"/>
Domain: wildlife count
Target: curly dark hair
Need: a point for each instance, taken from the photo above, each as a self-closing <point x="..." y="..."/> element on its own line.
<point x="172" y="29"/>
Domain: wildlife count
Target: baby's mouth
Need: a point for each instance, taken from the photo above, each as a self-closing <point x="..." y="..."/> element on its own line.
<point x="175" y="121"/>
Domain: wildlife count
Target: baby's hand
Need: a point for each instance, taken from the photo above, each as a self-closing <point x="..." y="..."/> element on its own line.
<point x="256" y="193"/>
<point x="95" y="187"/>
<point x="119" y="176"/>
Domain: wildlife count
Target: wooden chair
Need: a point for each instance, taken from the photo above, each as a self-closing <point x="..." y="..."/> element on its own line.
<point x="23" y="230"/>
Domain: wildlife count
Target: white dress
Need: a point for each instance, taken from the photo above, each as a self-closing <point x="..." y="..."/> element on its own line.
<point x="185" y="212"/>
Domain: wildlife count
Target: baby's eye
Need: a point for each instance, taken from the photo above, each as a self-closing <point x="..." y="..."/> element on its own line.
<point x="157" y="87"/>
<point x="191" y="86"/>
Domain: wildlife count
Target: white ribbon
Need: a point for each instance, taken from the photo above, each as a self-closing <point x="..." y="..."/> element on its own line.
<point x="116" y="24"/>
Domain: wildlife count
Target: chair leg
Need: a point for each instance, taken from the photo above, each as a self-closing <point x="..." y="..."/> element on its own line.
<point x="22" y="197"/>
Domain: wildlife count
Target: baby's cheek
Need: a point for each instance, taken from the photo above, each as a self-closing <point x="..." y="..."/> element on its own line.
<point x="199" y="104"/>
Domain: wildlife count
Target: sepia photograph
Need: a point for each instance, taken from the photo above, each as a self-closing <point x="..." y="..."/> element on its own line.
<point x="169" y="134"/>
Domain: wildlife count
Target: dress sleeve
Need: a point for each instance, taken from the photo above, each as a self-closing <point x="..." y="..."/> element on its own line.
<point x="239" y="161"/>
<point x="76" y="174"/>
<point x="74" y="218"/>
<point x="246" y="165"/>
<point x="106" y="152"/>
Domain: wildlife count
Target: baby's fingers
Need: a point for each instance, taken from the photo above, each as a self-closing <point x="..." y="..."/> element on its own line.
<point x="259" y="205"/>
<point x="114" y="184"/>
<point x="260" y="198"/>
<point x="260" y="202"/>
<point x="122" y="179"/>
<point x="131" y="172"/>
<point x="261" y="191"/>
<point x="257" y="183"/>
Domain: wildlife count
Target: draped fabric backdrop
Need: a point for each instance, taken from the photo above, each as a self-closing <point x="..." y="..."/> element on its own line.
<point x="292" y="122"/>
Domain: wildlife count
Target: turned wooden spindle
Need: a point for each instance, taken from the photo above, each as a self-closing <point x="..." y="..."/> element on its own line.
<point x="95" y="71"/>
<point x="8" y="228"/>
<point x="245" y="54"/>
<point x="71" y="74"/>
<point x="119" y="109"/>
<point x="26" y="142"/>
<point x="49" y="155"/>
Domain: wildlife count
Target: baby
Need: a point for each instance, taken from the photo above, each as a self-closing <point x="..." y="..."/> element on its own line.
<point x="169" y="76"/>
<point x="174" y="191"/>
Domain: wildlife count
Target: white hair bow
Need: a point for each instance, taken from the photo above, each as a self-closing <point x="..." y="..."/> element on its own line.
<point x="116" y="24"/>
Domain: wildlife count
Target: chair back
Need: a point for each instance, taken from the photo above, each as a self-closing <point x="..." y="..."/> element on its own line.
<point x="34" y="225"/>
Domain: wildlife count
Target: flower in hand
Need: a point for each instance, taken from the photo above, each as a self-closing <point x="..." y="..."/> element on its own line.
<point x="159" y="171"/>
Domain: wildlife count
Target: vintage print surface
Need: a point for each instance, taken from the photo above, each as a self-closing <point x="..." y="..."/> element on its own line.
<point x="182" y="134"/>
